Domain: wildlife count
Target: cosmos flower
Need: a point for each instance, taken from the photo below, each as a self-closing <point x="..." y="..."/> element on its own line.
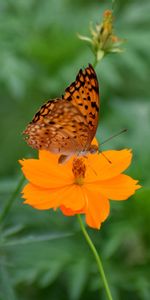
<point x="83" y="185"/>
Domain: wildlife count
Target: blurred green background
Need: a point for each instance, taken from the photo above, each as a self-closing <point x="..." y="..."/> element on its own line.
<point x="42" y="253"/>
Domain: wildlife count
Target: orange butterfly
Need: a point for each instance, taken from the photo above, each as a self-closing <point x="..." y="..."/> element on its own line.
<point x="67" y="125"/>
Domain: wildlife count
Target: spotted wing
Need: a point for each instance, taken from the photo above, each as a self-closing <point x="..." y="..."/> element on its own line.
<point x="58" y="127"/>
<point x="83" y="93"/>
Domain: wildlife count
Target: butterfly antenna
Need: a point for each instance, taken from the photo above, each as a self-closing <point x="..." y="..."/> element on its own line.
<point x="109" y="161"/>
<point x="105" y="141"/>
<point x="113" y="136"/>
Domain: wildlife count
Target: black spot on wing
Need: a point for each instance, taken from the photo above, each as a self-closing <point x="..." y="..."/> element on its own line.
<point x="94" y="105"/>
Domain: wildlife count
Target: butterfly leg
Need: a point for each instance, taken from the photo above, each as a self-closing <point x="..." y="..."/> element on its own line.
<point x="63" y="158"/>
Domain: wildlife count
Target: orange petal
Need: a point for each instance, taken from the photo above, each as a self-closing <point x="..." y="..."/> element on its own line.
<point x="98" y="168"/>
<point x="45" y="172"/>
<point x="74" y="199"/>
<point x="68" y="212"/>
<point x="46" y="155"/>
<point x="40" y="198"/>
<point x="120" y="187"/>
<point x="95" y="141"/>
<point x="97" y="209"/>
<point x="69" y="196"/>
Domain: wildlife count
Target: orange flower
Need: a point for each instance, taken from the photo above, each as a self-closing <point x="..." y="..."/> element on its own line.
<point x="81" y="185"/>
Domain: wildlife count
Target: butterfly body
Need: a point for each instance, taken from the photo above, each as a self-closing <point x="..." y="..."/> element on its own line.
<point x="68" y="125"/>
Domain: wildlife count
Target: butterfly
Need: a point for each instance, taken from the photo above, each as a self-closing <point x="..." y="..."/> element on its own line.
<point x="67" y="125"/>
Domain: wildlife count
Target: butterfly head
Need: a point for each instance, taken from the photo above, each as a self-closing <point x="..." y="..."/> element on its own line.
<point x="91" y="150"/>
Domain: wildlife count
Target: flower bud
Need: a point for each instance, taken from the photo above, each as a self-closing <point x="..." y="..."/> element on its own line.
<point x="103" y="40"/>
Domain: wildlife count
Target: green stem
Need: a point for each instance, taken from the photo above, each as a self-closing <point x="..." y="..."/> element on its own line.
<point x="98" y="59"/>
<point x="11" y="200"/>
<point x="95" y="62"/>
<point x="97" y="258"/>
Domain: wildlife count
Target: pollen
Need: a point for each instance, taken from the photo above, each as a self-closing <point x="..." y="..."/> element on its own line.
<point x="79" y="169"/>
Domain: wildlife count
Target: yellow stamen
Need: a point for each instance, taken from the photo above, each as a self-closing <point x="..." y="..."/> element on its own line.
<point x="79" y="169"/>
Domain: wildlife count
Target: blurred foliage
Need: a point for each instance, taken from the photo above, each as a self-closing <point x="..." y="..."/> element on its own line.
<point x="42" y="254"/>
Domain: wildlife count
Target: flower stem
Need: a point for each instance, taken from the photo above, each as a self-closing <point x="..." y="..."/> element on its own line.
<point x="98" y="59"/>
<point x="11" y="199"/>
<point x="97" y="258"/>
<point x="95" y="62"/>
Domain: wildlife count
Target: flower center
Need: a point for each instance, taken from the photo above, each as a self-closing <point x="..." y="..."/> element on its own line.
<point x="79" y="169"/>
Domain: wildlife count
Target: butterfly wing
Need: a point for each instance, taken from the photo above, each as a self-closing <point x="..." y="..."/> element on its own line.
<point x="68" y="125"/>
<point x="83" y="93"/>
<point x="58" y="127"/>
